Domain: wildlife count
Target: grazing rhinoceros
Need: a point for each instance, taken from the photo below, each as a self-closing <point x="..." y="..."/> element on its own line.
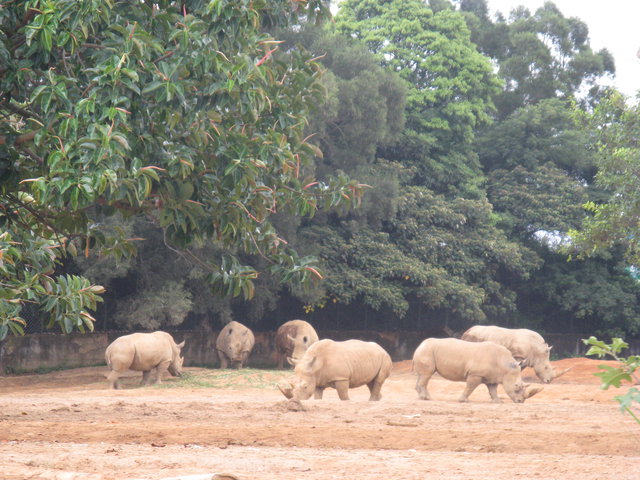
<point x="292" y="340"/>
<point x="341" y="365"/>
<point x="526" y="346"/>
<point x="143" y="352"/>
<point x="234" y="345"/>
<point x="475" y="363"/>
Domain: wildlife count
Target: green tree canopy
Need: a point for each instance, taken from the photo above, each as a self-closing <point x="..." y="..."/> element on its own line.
<point x="539" y="55"/>
<point x="449" y="84"/>
<point x="185" y="112"/>
<point x="615" y="221"/>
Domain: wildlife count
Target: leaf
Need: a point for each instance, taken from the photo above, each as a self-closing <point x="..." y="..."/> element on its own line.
<point x="45" y="36"/>
<point x="612" y="376"/>
<point x="153" y="86"/>
<point x="122" y="141"/>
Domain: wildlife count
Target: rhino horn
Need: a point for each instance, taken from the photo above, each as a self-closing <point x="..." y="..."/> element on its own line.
<point x="287" y="391"/>
<point x="557" y="374"/>
<point x="531" y="391"/>
<point x="293" y="361"/>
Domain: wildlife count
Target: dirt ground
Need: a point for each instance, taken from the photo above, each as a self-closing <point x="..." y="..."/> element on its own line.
<point x="68" y="426"/>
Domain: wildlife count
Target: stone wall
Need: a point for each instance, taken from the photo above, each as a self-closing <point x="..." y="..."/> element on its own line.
<point x="50" y="351"/>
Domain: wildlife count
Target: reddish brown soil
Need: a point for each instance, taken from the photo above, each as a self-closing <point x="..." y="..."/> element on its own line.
<point x="69" y="426"/>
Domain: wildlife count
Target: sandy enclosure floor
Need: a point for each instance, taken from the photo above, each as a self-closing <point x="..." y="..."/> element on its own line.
<point x="68" y="426"/>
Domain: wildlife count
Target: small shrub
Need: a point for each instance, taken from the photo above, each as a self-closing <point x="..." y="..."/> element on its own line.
<point x="626" y="372"/>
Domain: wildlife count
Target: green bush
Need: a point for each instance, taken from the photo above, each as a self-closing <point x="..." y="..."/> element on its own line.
<point x="626" y="372"/>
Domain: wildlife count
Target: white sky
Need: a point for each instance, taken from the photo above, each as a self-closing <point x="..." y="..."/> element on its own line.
<point x="613" y="24"/>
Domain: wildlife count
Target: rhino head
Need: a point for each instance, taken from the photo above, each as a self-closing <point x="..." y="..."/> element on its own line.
<point x="306" y="385"/>
<point x="175" y="367"/>
<point x="522" y="391"/>
<point x="543" y="368"/>
<point x="237" y="348"/>
<point x="299" y="344"/>
<point x="513" y="385"/>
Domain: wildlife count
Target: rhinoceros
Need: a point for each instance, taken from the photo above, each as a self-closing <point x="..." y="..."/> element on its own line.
<point x="143" y="352"/>
<point x="340" y="365"/>
<point x="234" y="344"/>
<point x="293" y="338"/>
<point x="471" y="362"/>
<point x="526" y="346"/>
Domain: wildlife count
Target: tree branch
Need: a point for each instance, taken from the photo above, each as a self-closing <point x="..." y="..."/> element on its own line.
<point x="25" y="137"/>
<point x="19" y="110"/>
<point x="163" y="57"/>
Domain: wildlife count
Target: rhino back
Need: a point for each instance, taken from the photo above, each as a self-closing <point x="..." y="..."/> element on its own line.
<point x="140" y="351"/>
<point x="354" y="360"/>
<point x="522" y="343"/>
<point x="457" y="359"/>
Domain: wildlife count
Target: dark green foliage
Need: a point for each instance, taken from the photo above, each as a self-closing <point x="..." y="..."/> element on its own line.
<point x="614" y="221"/>
<point x="209" y="139"/>
<point x="535" y="135"/>
<point x="184" y="112"/>
<point x="444" y="254"/>
<point x="543" y="200"/>
<point x="597" y="296"/>
<point x="365" y="104"/>
<point x="449" y="84"/>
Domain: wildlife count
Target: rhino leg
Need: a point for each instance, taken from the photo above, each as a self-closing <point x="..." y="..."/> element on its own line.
<point x="493" y="391"/>
<point x="224" y="363"/>
<point x="145" y="377"/>
<point x="472" y="384"/>
<point x="113" y="379"/>
<point x="243" y="359"/>
<point x="421" y="386"/>
<point x="318" y="393"/>
<point x="161" y="369"/>
<point x="374" y="389"/>
<point x="342" y="386"/>
<point x="280" y="358"/>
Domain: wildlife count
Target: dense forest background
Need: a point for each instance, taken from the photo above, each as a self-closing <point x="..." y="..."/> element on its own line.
<point x="478" y="142"/>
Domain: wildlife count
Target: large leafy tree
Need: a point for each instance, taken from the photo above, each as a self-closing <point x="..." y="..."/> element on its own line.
<point x="449" y="84"/>
<point x="614" y="221"/>
<point x="425" y="238"/>
<point x="539" y="55"/>
<point x="185" y="112"/>
<point x="539" y="167"/>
